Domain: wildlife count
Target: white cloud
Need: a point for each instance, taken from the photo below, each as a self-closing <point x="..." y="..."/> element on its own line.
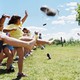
<point x="58" y="22"/>
<point x="67" y="9"/>
<point x="65" y="19"/>
<point x="72" y="4"/>
<point x="57" y="35"/>
<point x="64" y="35"/>
<point x="47" y="19"/>
<point x="73" y="12"/>
<point x="61" y="6"/>
<point x="44" y="6"/>
<point x="38" y="29"/>
<point x="71" y="7"/>
<point x="76" y="30"/>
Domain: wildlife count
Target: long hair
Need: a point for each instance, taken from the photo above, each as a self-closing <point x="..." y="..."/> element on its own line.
<point x="14" y="19"/>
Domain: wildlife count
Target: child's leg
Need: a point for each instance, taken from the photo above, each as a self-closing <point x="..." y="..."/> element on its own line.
<point x="38" y="41"/>
<point x="18" y="43"/>
<point x="26" y="52"/>
<point x="9" y="55"/>
<point x="1" y="51"/>
<point x="20" y="61"/>
<point x="1" y="56"/>
<point x="11" y="48"/>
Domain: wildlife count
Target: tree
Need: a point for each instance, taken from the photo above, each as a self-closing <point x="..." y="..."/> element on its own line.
<point x="78" y="14"/>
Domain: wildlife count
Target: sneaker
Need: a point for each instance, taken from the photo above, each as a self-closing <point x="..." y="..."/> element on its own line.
<point x="42" y="47"/>
<point x="48" y="55"/>
<point x="24" y="57"/>
<point x="10" y="70"/>
<point x="12" y="66"/>
<point x="27" y="54"/>
<point x="21" y="75"/>
<point x="31" y="53"/>
<point x="16" y="58"/>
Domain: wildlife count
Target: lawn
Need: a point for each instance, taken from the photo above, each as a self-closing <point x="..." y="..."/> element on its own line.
<point x="63" y="65"/>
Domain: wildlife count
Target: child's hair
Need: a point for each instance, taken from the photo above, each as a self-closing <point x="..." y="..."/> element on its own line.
<point x="14" y="19"/>
<point x="36" y="33"/>
<point x="27" y="31"/>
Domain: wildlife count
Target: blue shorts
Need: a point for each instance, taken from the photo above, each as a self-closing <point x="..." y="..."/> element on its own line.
<point x="10" y="47"/>
<point x="3" y="46"/>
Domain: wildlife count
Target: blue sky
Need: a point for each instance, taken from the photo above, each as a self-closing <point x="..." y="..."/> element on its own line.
<point x="62" y="25"/>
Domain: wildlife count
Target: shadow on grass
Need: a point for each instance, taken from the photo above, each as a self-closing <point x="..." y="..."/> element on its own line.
<point x="18" y="78"/>
<point x="4" y="64"/>
<point x="2" y="71"/>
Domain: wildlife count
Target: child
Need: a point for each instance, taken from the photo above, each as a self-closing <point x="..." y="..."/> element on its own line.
<point x="4" y="48"/>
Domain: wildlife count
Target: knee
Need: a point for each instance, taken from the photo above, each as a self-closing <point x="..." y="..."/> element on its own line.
<point x="10" y="56"/>
<point x="21" y="57"/>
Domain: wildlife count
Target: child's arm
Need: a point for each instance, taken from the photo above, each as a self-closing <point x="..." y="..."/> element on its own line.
<point x="8" y="30"/>
<point x="24" y="18"/>
<point x="3" y="18"/>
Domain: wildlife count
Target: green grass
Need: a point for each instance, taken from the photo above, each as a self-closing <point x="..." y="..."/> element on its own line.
<point x="63" y="65"/>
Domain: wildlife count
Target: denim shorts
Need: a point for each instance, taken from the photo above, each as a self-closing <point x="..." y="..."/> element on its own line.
<point x="10" y="47"/>
<point x="4" y="46"/>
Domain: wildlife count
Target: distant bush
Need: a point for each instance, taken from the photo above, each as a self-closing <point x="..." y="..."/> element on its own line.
<point x="70" y="42"/>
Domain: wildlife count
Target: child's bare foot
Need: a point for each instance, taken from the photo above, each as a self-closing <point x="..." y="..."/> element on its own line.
<point x="50" y="42"/>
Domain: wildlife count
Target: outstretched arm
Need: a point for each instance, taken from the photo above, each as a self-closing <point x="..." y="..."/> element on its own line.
<point x="25" y="17"/>
<point x="3" y="18"/>
<point x="8" y="30"/>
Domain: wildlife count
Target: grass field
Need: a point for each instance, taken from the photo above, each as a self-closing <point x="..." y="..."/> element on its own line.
<point x="63" y="65"/>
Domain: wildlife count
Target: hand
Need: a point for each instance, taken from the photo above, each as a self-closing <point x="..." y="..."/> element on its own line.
<point x="6" y="16"/>
<point x="26" y="13"/>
